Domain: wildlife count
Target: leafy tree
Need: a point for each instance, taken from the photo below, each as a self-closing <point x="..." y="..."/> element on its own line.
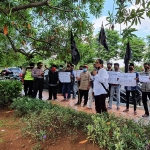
<point x="35" y="27"/>
<point x="138" y="47"/>
<point x="129" y="16"/>
<point x="147" y="51"/>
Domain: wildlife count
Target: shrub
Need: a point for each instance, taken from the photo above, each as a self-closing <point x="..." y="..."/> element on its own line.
<point x="44" y="119"/>
<point x="9" y="89"/>
<point x="116" y="133"/>
<point x="26" y="105"/>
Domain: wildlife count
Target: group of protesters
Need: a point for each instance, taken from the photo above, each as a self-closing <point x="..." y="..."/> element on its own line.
<point x="90" y="86"/>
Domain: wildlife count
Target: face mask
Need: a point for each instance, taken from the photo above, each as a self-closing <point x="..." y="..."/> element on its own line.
<point x="109" y="67"/>
<point x="146" y="68"/>
<point x="84" y="69"/>
<point x="116" y="69"/>
<point x="60" y="68"/>
<point x="130" y="68"/>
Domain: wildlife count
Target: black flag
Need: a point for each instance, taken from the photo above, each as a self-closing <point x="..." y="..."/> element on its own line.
<point x="102" y="38"/>
<point x="127" y="57"/>
<point x="74" y="51"/>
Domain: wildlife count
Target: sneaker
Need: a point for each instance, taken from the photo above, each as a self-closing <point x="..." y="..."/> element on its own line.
<point x="126" y="110"/>
<point x="76" y="104"/>
<point x="74" y="98"/>
<point x="145" y="115"/>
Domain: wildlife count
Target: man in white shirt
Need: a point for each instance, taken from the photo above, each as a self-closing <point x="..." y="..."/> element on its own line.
<point x="99" y="91"/>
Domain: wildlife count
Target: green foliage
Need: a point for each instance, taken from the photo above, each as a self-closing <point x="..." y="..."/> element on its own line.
<point x="25" y="105"/>
<point x="45" y="120"/>
<point x="45" y="29"/>
<point x="116" y="133"/>
<point x="9" y="89"/>
<point x="137" y="46"/>
<point x="131" y="16"/>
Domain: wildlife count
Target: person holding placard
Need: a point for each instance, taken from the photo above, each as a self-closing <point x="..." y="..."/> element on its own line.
<point x="67" y="86"/>
<point x="131" y="89"/>
<point x="145" y="89"/>
<point x="115" y="88"/>
<point x="84" y="85"/>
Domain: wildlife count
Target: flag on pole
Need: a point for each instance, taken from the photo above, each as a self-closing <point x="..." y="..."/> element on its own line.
<point x="102" y="38"/>
<point x="127" y="57"/>
<point x="74" y="51"/>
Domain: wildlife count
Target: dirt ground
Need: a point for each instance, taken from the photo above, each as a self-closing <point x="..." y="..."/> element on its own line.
<point x="11" y="137"/>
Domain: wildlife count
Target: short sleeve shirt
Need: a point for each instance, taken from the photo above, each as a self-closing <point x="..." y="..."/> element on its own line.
<point x="84" y="80"/>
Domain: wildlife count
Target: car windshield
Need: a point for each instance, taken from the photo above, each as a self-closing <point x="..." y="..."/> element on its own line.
<point x="14" y="69"/>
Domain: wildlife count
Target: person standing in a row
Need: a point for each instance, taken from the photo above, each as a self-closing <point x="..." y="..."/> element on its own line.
<point x="145" y="89"/>
<point x="28" y="80"/>
<point x="38" y="75"/>
<point x="100" y="81"/>
<point x="131" y="89"/>
<point x="53" y="82"/>
<point x="84" y="87"/>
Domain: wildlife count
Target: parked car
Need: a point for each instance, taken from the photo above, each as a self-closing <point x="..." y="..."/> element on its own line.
<point x="16" y="71"/>
<point x="6" y="72"/>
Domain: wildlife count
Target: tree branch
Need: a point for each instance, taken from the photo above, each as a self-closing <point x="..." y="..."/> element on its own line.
<point x="30" y="5"/>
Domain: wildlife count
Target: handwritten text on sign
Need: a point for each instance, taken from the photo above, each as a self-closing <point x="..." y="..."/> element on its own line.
<point x="127" y="79"/>
<point x="113" y="77"/>
<point x="64" y="77"/>
<point x="144" y="78"/>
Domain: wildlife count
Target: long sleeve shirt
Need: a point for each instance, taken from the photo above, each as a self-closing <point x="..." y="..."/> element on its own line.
<point x="101" y="77"/>
<point x="35" y="73"/>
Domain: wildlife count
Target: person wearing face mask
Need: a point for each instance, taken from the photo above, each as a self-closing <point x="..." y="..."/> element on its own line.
<point x="132" y="90"/>
<point x="38" y="75"/>
<point x="84" y="87"/>
<point x="53" y="82"/>
<point x="145" y="89"/>
<point x="115" y="88"/>
<point x="109" y="66"/>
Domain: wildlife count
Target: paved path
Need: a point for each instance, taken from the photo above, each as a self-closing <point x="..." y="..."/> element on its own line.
<point x="120" y="112"/>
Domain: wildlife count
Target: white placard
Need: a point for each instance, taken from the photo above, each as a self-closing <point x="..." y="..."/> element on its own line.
<point x="64" y="77"/>
<point x="77" y="73"/>
<point x="113" y="76"/>
<point x="144" y="78"/>
<point x="127" y="79"/>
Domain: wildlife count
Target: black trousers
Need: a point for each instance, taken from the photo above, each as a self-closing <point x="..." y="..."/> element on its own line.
<point x="81" y="94"/>
<point x="38" y="86"/>
<point x="100" y="104"/>
<point x="144" y="100"/>
<point x="128" y="97"/>
<point x="28" y="87"/>
<point x="52" y="92"/>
